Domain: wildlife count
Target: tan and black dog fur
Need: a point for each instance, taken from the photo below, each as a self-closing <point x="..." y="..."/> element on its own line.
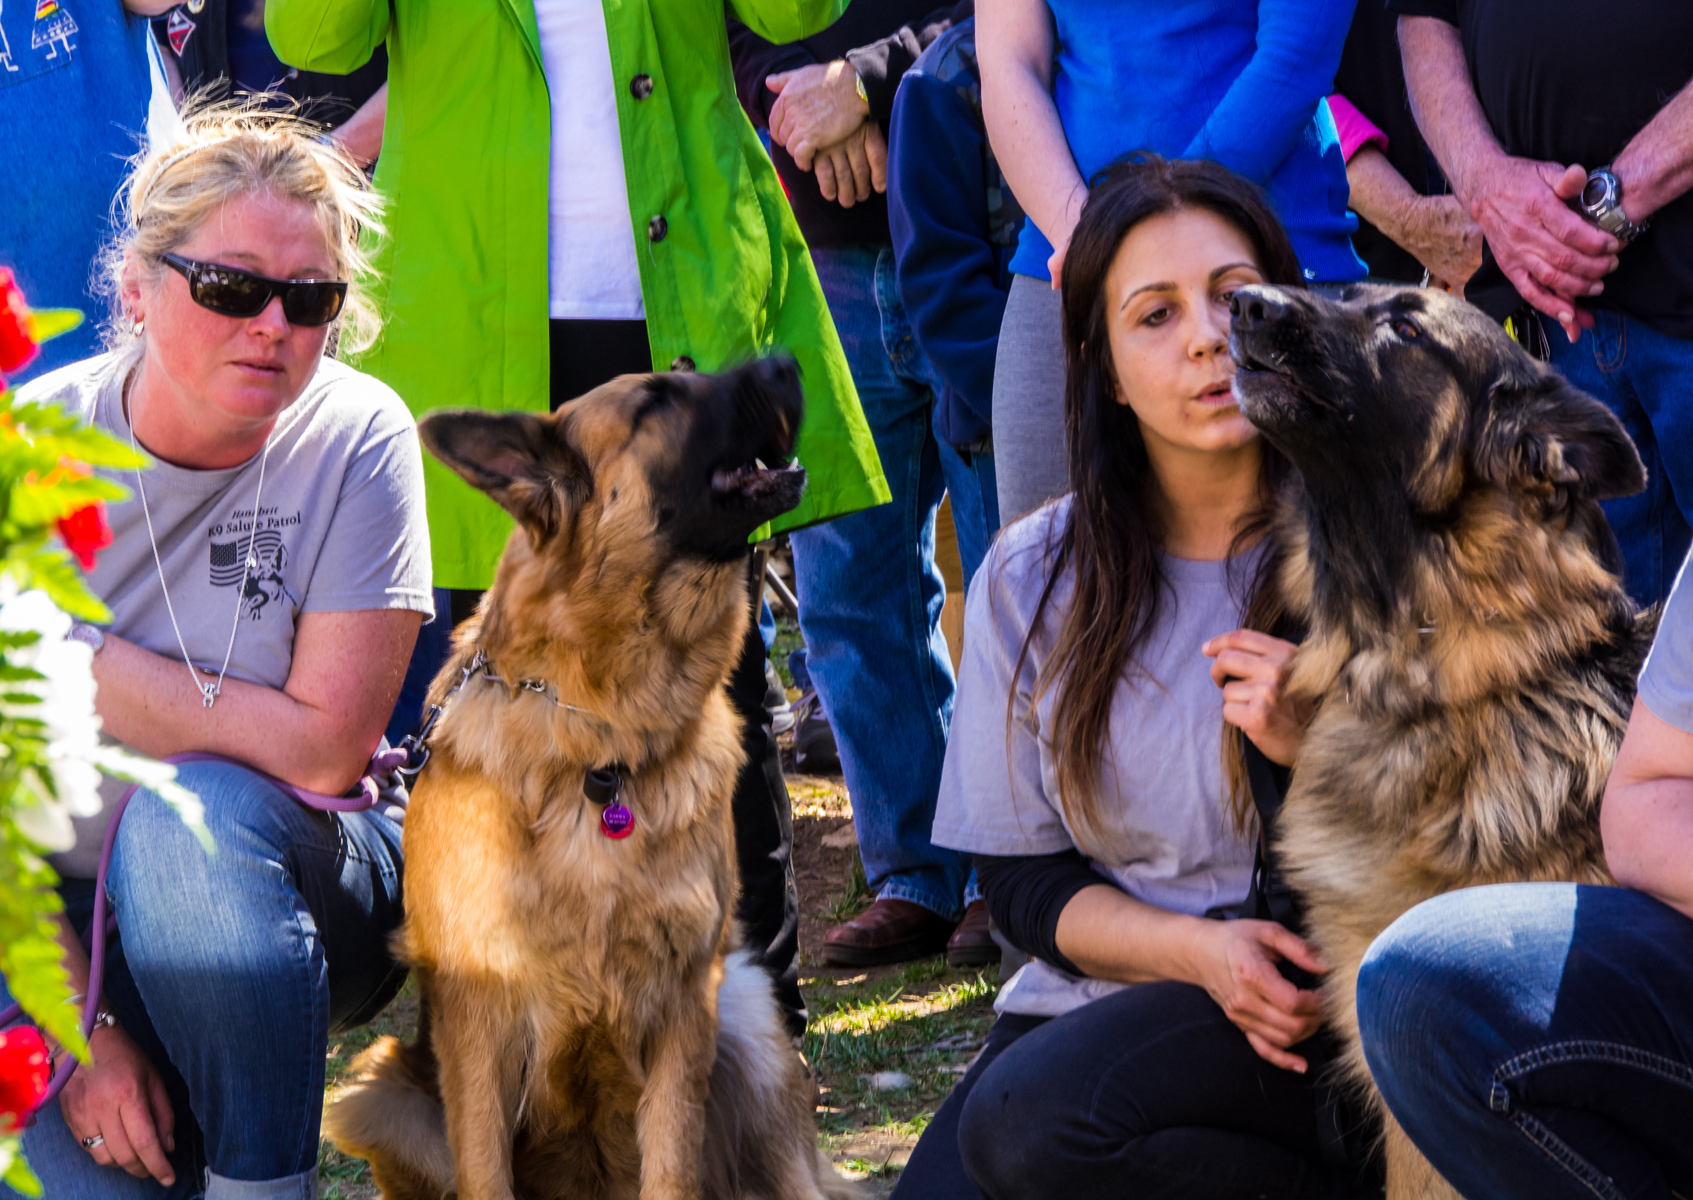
<point x="589" y="1028"/>
<point x="1470" y="649"/>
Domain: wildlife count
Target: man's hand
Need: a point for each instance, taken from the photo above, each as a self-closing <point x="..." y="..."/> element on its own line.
<point x="816" y="107"/>
<point x="1545" y="248"/>
<point x="120" y="1096"/>
<point x="1444" y="239"/>
<point x="850" y="170"/>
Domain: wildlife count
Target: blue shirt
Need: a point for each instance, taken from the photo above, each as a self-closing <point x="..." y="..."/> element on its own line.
<point x="74" y="88"/>
<point x="1235" y="81"/>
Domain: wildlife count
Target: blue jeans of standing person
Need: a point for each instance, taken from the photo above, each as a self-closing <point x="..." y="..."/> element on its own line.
<point x="870" y="594"/>
<point x="1536" y="1040"/>
<point x="1646" y="379"/>
<point x="230" y="971"/>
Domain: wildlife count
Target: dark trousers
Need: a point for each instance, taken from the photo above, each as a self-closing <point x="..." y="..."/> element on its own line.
<point x="1150" y="1092"/>
<point x="586" y="354"/>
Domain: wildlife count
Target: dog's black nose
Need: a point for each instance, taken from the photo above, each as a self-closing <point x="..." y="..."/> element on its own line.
<point x="1254" y="307"/>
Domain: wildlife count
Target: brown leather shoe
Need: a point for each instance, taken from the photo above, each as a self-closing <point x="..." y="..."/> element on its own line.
<point x="889" y="931"/>
<point x="971" y="944"/>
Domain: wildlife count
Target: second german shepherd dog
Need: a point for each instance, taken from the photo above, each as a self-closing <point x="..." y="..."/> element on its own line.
<point x="1470" y="649"/>
<point x="589" y="1029"/>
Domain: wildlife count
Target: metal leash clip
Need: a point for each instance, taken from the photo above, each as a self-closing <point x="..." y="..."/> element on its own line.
<point x="416" y="745"/>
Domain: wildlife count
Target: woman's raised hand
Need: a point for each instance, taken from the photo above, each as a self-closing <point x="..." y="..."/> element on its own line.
<point x="1252" y="670"/>
<point x="1239" y="971"/>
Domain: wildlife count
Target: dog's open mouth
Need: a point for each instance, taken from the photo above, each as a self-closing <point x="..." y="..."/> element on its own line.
<point x="756" y="483"/>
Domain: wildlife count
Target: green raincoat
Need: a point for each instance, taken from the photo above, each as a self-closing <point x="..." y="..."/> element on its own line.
<point x="464" y="268"/>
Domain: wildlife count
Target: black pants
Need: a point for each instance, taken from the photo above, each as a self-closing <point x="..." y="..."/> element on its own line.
<point x="1147" y="1093"/>
<point x="586" y="354"/>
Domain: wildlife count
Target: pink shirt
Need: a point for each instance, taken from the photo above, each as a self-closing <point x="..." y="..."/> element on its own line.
<point x="1355" y="129"/>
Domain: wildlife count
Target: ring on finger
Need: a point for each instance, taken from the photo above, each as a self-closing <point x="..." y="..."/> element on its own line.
<point x="89" y="1143"/>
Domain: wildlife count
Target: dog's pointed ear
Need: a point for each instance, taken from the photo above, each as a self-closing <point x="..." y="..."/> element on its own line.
<point x="1541" y="433"/>
<point x="520" y="459"/>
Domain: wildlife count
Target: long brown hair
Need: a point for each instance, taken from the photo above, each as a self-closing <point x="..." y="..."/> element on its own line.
<point x="1111" y="536"/>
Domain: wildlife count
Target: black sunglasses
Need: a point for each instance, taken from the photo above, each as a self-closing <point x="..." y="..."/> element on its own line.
<point x="237" y="293"/>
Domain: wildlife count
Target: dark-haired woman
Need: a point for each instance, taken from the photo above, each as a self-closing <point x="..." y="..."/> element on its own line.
<point x="1152" y="1046"/>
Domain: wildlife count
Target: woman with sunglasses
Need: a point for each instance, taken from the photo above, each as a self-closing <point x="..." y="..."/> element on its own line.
<point x="267" y="579"/>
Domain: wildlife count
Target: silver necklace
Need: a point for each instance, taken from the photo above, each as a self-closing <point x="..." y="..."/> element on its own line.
<point x="209" y="692"/>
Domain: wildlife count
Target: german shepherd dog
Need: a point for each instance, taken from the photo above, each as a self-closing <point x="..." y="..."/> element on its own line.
<point x="1470" y="650"/>
<point x="589" y="1028"/>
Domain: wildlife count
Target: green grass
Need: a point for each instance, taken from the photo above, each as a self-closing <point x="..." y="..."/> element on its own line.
<point x="340" y="1177"/>
<point x="927" y="1022"/>
<point x="854" y="898"/>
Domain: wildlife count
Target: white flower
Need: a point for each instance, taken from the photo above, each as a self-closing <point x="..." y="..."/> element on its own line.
<point x="75" y="754"/>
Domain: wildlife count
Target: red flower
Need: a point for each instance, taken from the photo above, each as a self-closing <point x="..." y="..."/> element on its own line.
<point x="16" y="346"/>
<point x="86" y="532"/>
<point x="24" y="1075"/>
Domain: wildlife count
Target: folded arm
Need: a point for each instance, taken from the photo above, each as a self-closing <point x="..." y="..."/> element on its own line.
<point x="317" y="731"/>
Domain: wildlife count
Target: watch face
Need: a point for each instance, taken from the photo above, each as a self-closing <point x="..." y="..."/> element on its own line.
<point x="1597" y="191"/>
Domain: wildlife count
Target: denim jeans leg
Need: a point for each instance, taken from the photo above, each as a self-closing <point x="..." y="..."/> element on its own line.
<point x="870" y="600"/>
<point x="1534" y="1040"/>
<point x="1660" y="370"/>
<point x="232" y="956"/>
<point x="1600" y="365"/>
<point x="974" y="494"/>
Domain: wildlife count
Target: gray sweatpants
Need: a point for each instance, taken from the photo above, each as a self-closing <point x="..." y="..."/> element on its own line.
<point x="1030" y="459"/>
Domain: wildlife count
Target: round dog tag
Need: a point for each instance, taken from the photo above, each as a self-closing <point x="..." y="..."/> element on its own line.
<point x="617" y="821"/>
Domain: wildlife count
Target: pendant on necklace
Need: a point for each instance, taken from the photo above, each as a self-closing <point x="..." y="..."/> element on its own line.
<point x="617" y="821"/>
<point x="208" y="694"/>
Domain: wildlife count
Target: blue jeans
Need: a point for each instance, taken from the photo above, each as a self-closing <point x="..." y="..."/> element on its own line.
<point x="870" y="594"/>
<point x="230" y="971"/>
<point x="1646" y="379"/>
<point x="1536" y="1040"/>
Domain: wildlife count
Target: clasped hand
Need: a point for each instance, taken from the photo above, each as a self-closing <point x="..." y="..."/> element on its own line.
<point x="819" y="119"/>
<point x="1550" y="253"/>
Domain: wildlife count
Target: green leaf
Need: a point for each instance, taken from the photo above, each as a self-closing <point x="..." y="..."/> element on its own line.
<point x="14" y="1170"/>
<point x="47" y="323"/>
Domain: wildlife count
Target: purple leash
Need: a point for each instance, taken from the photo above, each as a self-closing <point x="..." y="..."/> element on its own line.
<point x="361" y="800"/>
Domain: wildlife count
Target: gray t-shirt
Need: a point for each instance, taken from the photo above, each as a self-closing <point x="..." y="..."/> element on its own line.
<point x="340" y="528"/>
<point x="1167" y="836"/>
<point x="1666" y="681"/>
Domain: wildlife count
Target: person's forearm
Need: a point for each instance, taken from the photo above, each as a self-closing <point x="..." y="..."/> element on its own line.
<point x="1014" y="44"/>
<point x="146" y="701"/>
<point x="150" y="8"/>
<point x="1657" y="165"/>
<point x="1111" y="935"/>
<point x="1444" y="102"/>
<point x="1380" y="194"/>
<point x="361" y="134"/>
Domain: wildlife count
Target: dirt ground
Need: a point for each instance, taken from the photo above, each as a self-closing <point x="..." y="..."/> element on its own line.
<point x="887" y="1043"/>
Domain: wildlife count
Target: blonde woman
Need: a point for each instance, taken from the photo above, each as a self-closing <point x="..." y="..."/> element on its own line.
<point x="267" y="580"/>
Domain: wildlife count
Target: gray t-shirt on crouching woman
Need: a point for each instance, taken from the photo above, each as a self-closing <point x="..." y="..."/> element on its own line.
<point x="340" y="527"/>
<point x="1167" y="835"/>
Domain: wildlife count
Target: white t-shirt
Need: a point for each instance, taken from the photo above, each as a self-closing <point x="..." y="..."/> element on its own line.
<point x="1168" y="836"/>
<point x="592" y="273"/>
<point x="340" y="527"/>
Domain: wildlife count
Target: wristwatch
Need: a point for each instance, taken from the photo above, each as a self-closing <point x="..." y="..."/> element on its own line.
<point x="91" y="636"/>
<point x="1601" y="200"/>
